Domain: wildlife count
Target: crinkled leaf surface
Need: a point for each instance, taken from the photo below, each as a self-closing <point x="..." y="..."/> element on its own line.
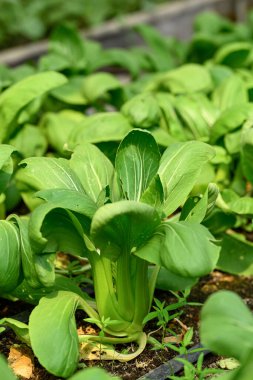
<point x="137" y="162"/>
<point x="179" y="169"/>
<point x="54" y="339"/>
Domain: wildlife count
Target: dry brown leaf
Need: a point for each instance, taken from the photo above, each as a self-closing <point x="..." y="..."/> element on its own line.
<point x="20" y="363"/>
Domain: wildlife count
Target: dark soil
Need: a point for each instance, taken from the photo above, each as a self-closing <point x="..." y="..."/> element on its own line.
<point x="149" y="359"/>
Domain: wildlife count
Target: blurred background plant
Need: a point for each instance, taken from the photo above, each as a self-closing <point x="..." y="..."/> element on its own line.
<point x="30" y="20"/>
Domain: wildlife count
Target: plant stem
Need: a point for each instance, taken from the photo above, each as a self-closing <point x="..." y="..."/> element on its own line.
<point x="124" y="286"/>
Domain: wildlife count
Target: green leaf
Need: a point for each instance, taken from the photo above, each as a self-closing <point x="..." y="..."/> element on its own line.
<point x="230" y="120"/>
<point x="71" y="92"/>
<point x="137" y="162"/>
<point x="196" y="208"/>
<point x="38" y="173"/>
<point x="54" y="339"/>
<point x="154" y="195"/>
<point x="236" y="255"/>
<point x="58" y="127"/>
<point x="93" y="374"/>
<point x="247" y="154"/>
<point x="20" y="328"/>
<point x="68" y="45"/>
<point x="110" y="126"/>
<point x="234" y="54"/>
<point x="227" y="325"/>
<point x="98" y="85"/>
<point x="242" y="206"/>
<point x="9" y="256"/>
<point x="95" y="171"/>
<point x="188" y="78"/>
<point x="230" y="90"/>
<point x="30" y="141"/>
<point x="189" y="249"/>
<point x="123" y="225"/>
<point x="6" y="372"/>
<point x="167" y="280"/>
<point x="52" y="227"/>
<point x="142" y="111"/>
<point x="179" y="169"/>
<point x="27" y="254"/>
<point x="6" y="165"/>
<point x="20" y="94"/>
<point x="189" y="111"/>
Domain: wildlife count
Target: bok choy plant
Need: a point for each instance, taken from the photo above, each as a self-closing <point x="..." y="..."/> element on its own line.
<point x="123" y="218"/>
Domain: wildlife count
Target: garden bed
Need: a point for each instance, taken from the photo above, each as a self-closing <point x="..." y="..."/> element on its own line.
<point x="174" y="19"/>
<point x="149" y="360"/>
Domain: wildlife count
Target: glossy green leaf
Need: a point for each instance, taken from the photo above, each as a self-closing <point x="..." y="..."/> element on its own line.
<point x="179" y="169"/>
<point x="93" y="168"/>
<point x="196" y="208"/>
<point x="123" y="225"/>
<point x="227" y="325"/>
<point x="54" y="339"/>
<point x="20" y="94"/>
<point x="137" y="162"/>
<point x="9" y="256"/>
